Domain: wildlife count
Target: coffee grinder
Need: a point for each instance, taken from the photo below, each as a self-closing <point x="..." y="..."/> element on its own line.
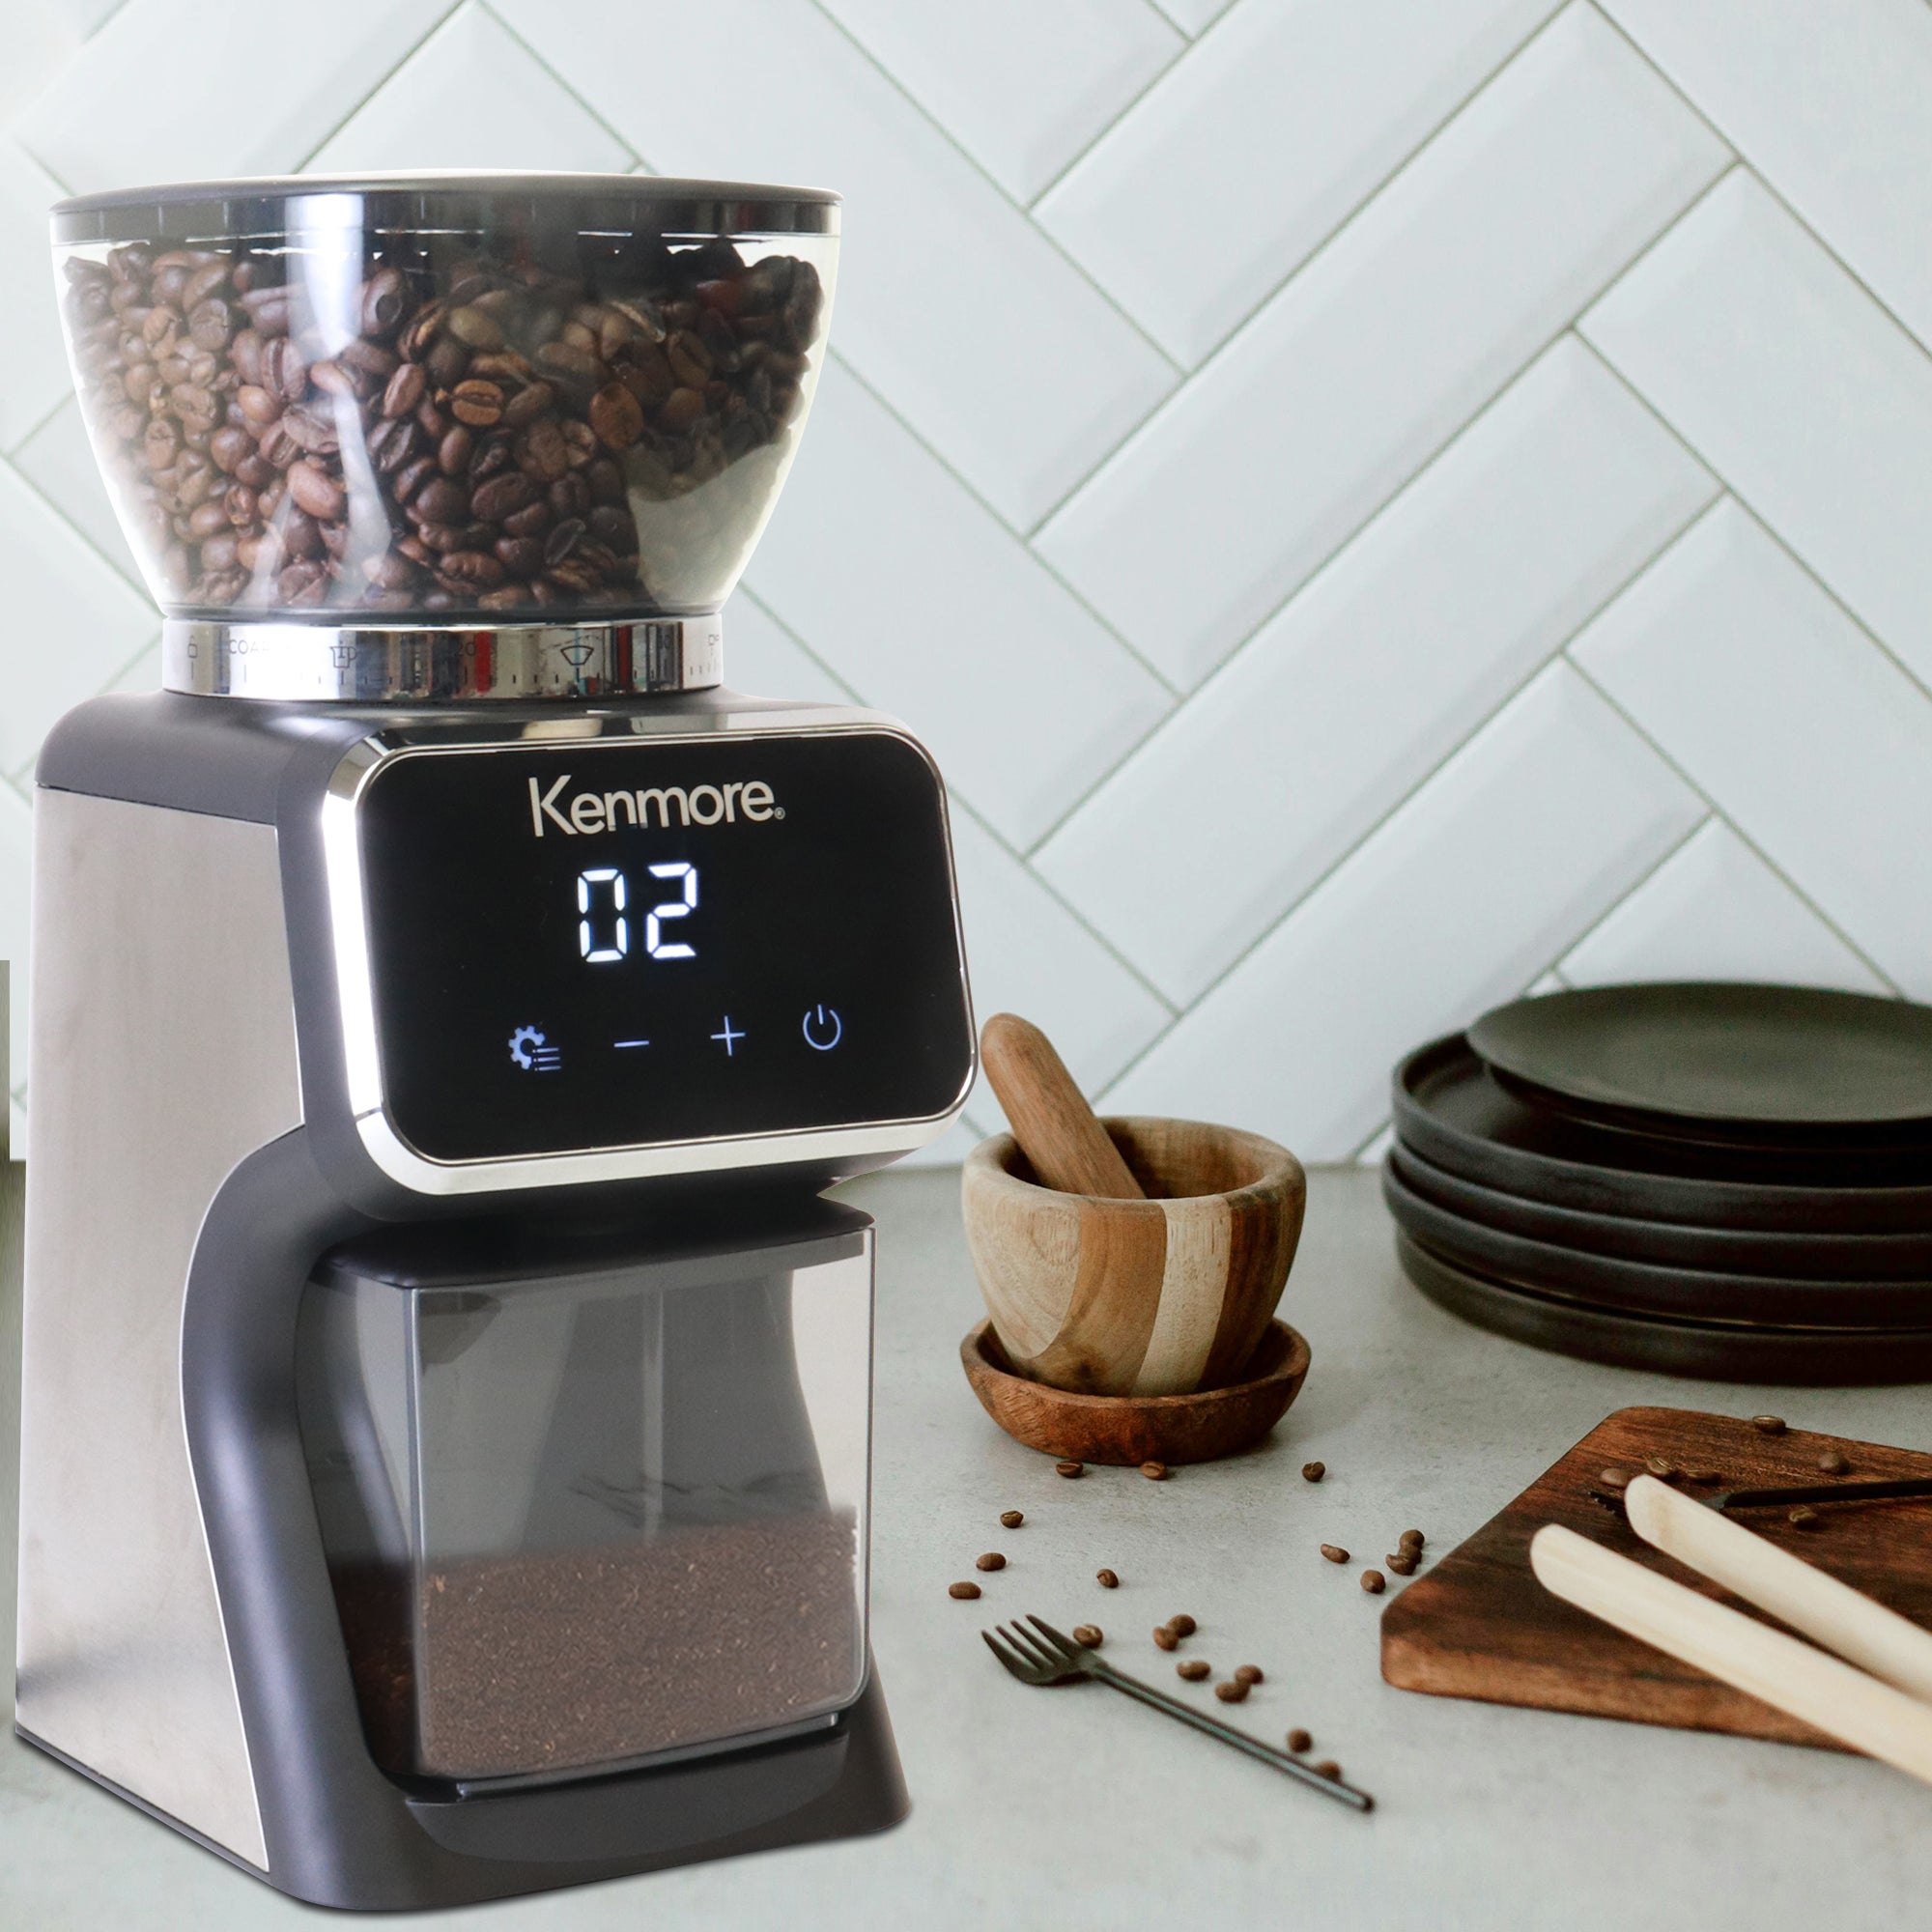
<point x="447" y="1393"/>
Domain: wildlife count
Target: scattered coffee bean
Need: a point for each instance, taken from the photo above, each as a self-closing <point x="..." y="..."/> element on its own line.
<point x="1194" y="1669"/>
<point x="1299" y="1741"/>
<point x="1154" y="1472"/>
<point x="1402" y="1561"/>
<point x="1327" y="1767"/>
<point x="1164" y="1638"/>
<point x="1183" y="1624"/>
<point x="1660" y="1466"/>
<point x="1411" y="1539"/>
<point x="1089" y="1637"/>
<point x="1804" y="1518"/>
<point x="965" y="1592"/>
<point x="1373" y="1582"/>
<point x="1701" y="1476"/>
<point x="1768" y="1425"/>
<point x="1617" y="1479"/>
<point x="1069" y="1469"/>
<point x="1233" y="1692"/>
<point x="1107" y="1579"/>
<point x="1248" y="1673"/>
<point x="1011" y="1519"/>
<point x="1834" y="1462"/>
<point x="1334" y="1552"/>
<point x="993" y="1560"/>
<point x="1313" y="1473"/>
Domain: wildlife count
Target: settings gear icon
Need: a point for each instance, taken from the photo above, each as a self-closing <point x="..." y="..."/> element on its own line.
<point x="530" y="1051"/>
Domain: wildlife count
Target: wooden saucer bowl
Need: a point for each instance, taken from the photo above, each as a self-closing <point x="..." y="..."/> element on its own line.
<point x="1133" y="1428"/>
<point x="1156" y="1297"/>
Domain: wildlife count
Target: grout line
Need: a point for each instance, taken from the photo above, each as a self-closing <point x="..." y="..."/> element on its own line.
<point x="1320" y="245"/>
<point x="1051" y="570"/>
<point x="1248" y="643"/>
<point x="1126" y="107"/>
<point x="362" y="99"/>
<point x="978" y="818"/>
<point x="1763" y="522"/>
<point x="953" y="141"/>
<point x="1558" y="653"/>
<point x="537" y="55"/>
<point x="66" y="395"/>
<point x="1743" y="837"/>
<point x="60" y="515"/>
<point x="1712" y="816"/>
<point x="1758" y="176"/>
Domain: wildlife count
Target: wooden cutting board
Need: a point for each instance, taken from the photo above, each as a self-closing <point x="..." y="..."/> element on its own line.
<point x="1479" y="1624"/>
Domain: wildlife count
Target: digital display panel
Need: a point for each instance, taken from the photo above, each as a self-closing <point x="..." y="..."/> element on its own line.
<point x="609" y="944"/>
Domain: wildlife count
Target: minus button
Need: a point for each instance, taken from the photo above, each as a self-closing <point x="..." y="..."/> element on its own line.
<point x="630" y="1043"/>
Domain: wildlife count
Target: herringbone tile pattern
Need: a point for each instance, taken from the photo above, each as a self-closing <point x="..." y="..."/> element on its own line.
<point x="1377" y="504"/>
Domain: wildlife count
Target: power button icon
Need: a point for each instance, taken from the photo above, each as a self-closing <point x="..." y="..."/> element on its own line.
<point x="823" y="1028"/>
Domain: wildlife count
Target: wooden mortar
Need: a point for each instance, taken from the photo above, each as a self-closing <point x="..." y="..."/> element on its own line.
<point x="1156" y="1297"/>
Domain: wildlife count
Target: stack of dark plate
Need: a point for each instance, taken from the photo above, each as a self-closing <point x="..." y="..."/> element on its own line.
<point x="1732" y="1181"/>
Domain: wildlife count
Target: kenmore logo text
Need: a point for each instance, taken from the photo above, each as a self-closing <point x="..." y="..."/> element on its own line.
<point x="603" y="812"/>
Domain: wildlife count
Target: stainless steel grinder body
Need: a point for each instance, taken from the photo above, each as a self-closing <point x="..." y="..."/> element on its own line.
<point x="209" y="1118"/>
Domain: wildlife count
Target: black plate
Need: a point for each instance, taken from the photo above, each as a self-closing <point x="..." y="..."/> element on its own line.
<point x="1672" y="1243"/>
<point x="1687" y="1295"/>
<point x="1765" y="1064"/>
<point x="1788" y="1358"/>
<point x="1451" y="1110"/>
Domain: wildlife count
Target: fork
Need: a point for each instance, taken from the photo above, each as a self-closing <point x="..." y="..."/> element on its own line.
<point x="1041" y="1655"/>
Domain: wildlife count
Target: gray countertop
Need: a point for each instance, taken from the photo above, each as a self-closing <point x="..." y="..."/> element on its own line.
<point x="1079" y="1808"/>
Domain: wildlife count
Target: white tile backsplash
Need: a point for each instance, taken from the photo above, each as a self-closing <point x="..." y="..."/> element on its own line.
<point x="1832" y="105"/>
<point x="16" y="849"/>
<point x="1210" y="192"/>
<point x="928" y="606"/>
<point x="1714" y="910"/>
<point x="1804" y="394"/>
<point x="951" y="303"/>
<point x="1804" y="733"/>
<point x="1390" y="338"/>
<point x="1376" y="670"/>
<point x="1021" y="87"/>
<point x="472" y="95"/>
<point x="1213" y="465"/>
<point x="1456" y="901"/>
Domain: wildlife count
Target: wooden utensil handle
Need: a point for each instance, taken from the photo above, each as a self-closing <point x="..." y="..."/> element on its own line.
<point x="1830" y="1695"/>
<point x="1791" y="1589"/>
<point x="1067" y="1148"/>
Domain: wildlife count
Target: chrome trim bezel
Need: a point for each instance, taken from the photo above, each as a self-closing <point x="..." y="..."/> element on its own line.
<point x="354" y="979"/>
<point x="277" y="662"/>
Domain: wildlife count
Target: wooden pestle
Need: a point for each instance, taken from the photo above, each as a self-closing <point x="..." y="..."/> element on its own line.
<point x="1065" y="1144"/>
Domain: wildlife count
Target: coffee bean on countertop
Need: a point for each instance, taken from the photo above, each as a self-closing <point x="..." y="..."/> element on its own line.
<point x="1373" y="1582"/>
<point x="1703" y="1476"/>
<point x="1834" y="1462"/>
<point x="1313" y="1473"/>
<point x="1194" y="1669"/>
<point x="1804" y="1518"/>
<point x="993" y="1560"/>
<point x="1154" y="1472"/>
<point x="963" y="1591"/>
<point x="1412" y="1539"/>
<point x="1327" y="1767"/>
<point x="1615" y="1478"/>
<point x="1107" y="1579"/>
<point x="1660" y="1466"/>
<point x="1334" y="1552"/>
<point x="1768" y="1425"/>
<point x="1164" y="1638"/>
<point x="1234" y="1692"/>
<point x="1069" y="1469"/>
<point x="1299" y="1741"/>
<point x="1402" y="1561"/>
<point x="1248" y="1673"/>
<point x="1011" y="1519"/>
<point x="1089" y="1637"/>
<point x="1183" y="1624"/>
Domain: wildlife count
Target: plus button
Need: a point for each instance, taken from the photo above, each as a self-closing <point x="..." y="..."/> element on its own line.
<point x="729" y="1036"/>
